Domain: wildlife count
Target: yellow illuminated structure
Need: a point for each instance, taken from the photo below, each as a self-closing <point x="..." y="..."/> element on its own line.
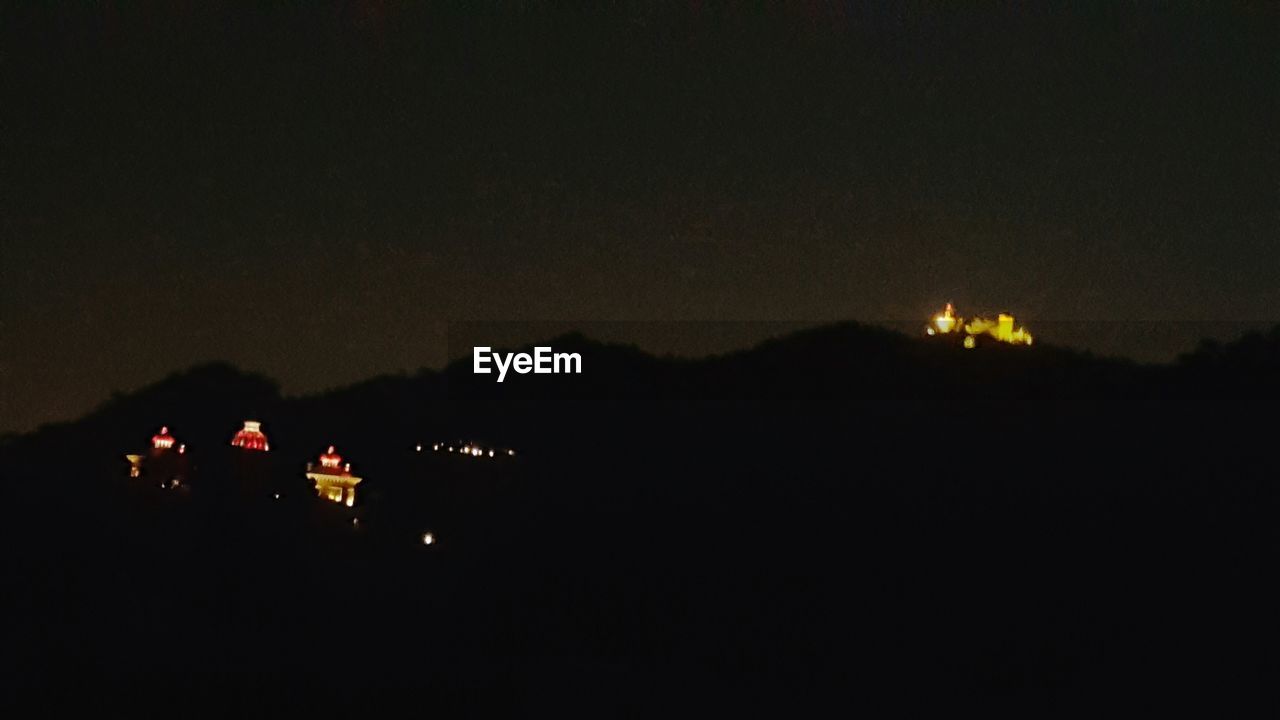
<point x="333" y="478"/>
<point x="1001" y="329"/>
<point x="944" y="322"/>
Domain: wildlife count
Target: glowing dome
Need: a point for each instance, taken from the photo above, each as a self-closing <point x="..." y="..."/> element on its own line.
<point x="946" y="321"/>
<point x="330" y="459"/>
<point x="162" y="440"/>
<point x="250" y="437"/>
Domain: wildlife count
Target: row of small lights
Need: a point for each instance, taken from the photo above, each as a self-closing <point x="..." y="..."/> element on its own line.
<point x="472" y="450"/>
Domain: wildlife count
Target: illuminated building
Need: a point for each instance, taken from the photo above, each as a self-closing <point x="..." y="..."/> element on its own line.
<point x="1002" y="329"/>
<point x="944" y="322"/>
<point x="333" y="478"/>
<point x="250" y="437"/>
<point x="252" y="467"/>
<point x="163" y="459"/>
<point x="162" y="440"/>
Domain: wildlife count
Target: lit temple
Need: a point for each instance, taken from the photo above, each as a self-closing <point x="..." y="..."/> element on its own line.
<point x="250" y="437"/>
<point x="162" y="440"/>
<point x="945" y="321"/>
<point x="333" y="478"/>
<point x="162" y="458"/>
<point x="1001" y="329"/>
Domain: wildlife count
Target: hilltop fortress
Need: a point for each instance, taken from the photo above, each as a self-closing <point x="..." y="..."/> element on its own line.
<point x="948" y="324"/>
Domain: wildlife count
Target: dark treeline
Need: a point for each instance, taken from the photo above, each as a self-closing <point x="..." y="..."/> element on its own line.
<point x="842" y="514"/>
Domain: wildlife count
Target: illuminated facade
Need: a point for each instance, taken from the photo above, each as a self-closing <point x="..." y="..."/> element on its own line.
<point x="250" y="437"/>
<point x="162" y="443"/>
<point x="944" y="322"/>
<point x="333" y="478"/>
<point x="162" y="440"/>
<point x="1002" y="329"/>
<point x="163" y="458"/>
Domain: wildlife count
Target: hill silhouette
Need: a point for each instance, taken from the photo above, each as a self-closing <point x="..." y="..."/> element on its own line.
<point x="843" y="513"/>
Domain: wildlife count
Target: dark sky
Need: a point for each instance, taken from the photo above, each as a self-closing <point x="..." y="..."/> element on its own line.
<point x="314" y="190"/>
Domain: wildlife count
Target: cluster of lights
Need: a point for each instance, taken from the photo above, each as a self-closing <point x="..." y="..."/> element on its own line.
<point x="470" y="449"/>
<point x="331" y="459"/>
<point x="251" y="437"/>
<point x="1001" y="329"/>
<point x="163" y="440"/>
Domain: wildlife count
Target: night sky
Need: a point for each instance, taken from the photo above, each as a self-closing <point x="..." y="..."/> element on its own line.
<point x="314" y="191"/>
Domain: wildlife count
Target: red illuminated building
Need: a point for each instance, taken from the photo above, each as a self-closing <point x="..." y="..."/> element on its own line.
<point x="250" y="437"/>
<point x="164" y="460"/>
<point x="162" y="440"/>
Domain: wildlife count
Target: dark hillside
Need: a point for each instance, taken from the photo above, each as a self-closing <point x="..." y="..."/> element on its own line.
<point x="841" y="512"/>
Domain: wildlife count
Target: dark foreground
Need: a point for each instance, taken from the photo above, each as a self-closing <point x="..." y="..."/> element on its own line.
<point x="843" y="516"/>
